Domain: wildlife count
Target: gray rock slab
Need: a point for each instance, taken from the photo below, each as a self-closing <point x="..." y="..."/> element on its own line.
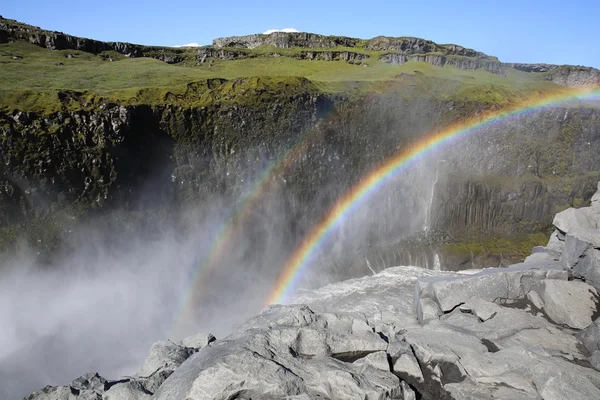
<point x="407" y="392"/>
<point x="588" y="267"/>
<point x="590" y="336"/>
<point x="386" y="297"/>
<point x="133" y="390"/>
<point x="595" y="202"/>
<point x="570" y="303"/>
<point x="492" y="285"/>
<point x="572" y="219"/>
<point x="555" y="244"/>
<point x="595" y="360"/>
<point x="550" y="339"/>
<point x="506" y="322"/>
<point x="165" y="355"/>
<point x="482" y="309"/>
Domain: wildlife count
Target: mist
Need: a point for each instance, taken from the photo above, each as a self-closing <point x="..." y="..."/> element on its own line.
<point x="120" y="286"/>
<point x="138" y="272"/>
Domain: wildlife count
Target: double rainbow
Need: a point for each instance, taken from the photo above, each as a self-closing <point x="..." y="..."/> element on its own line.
<point x="229" y="228"/>
<point x="299" y="261"/>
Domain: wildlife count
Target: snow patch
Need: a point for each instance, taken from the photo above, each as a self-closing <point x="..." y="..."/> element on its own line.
<point x="288" y="30"/>
<point x="194" y="44"/>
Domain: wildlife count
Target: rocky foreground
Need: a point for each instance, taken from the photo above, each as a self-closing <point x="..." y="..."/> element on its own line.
<point x="528" y="331"/>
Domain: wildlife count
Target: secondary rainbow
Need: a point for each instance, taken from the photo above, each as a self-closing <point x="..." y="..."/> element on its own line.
<point x="228" y="228"/>
<point x="298" y="262"/>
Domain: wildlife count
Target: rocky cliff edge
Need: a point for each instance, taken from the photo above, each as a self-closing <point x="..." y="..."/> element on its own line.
<point x="528" y="331"/>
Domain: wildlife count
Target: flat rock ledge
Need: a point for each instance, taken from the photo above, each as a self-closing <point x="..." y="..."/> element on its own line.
<point x="529" y="331"/>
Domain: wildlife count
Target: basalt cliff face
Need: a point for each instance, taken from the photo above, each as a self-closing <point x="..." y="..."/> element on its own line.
<point x="511" y="182"/>
<point x="528" y="331"/>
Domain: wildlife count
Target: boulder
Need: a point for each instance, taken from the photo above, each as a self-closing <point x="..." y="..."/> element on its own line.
<point x="407" y="392"/>
<point x="573" y="250"/>
<point x="581" y="254"/>
<point x="198" y="341"/>
<point x="153" y="382"/>
<point x="404" y="362"/>
<point x="89" y="382"/>
<point x="132" y="390"/>
<point x="136" y="388"/>
<point x="499" y="285"/>
<point x="165" y="355"/>
<point x="505" y="323"/>
<point x="595" y="360"/>
<point x="90" y="386"/>
<point x="568" y="303"/>
<point x="590" y="336"/>
<point x="588" y="267"/>
<point x="556" y="244"/>
<point x="573" y="219"/>
<point x="51" y="393"/>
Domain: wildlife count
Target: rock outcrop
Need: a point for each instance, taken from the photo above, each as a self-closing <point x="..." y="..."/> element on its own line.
<point x="285" y="40"/>
<point x="441" y="60"/>
<point x="531" y="67"/>
<point x="530" y="331"/>
<point x="412" y="45"/>
<point x="565" y="75"/>
<point x="163" y="359"/>
<point x="575" y="76"/>
<point x="12" y="30"/>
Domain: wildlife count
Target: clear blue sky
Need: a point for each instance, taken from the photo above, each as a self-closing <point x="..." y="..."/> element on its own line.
<point x="551" y="31"/>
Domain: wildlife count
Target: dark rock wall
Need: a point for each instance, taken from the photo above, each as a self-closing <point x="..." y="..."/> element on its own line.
<point x="507" y="178"/>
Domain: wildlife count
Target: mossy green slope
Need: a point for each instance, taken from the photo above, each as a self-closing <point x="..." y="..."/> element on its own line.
<point x="31" y="77"/>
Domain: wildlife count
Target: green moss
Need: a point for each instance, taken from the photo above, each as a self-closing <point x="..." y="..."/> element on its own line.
<point x="514" y="248"/>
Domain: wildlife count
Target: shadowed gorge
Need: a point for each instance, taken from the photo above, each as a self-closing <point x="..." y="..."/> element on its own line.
<point x="151" y="193"/>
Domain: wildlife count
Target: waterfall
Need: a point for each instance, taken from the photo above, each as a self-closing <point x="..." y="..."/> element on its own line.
<point x="437" y="265"/>
<point x="430" y="206"/>
<point x="369" y="266"/>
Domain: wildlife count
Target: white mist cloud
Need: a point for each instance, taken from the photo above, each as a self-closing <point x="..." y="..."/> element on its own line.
<point x="288" y="30"/>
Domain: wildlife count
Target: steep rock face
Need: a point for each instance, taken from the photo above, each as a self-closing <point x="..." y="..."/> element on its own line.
<point x="440" y="60"/>
<point x="527" y="168"/>
<point x="13" y="30"/>
<point x="222" y="54"/>
<point x="565" y="75"/>
<point x="532" y="159"/>
<point x="412" y="45"/>
<point x="285" y="40"/>
<point x="332" y="56"/>
<point x="575" y="76"/>
<point x="97" y="157"/>
<point x="531" y="67"/>
<point x="228" y="54"/>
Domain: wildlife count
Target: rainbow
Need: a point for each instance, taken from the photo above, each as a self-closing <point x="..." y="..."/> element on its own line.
<point x="228" y="228"/>
<point x="344" y="207"/>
